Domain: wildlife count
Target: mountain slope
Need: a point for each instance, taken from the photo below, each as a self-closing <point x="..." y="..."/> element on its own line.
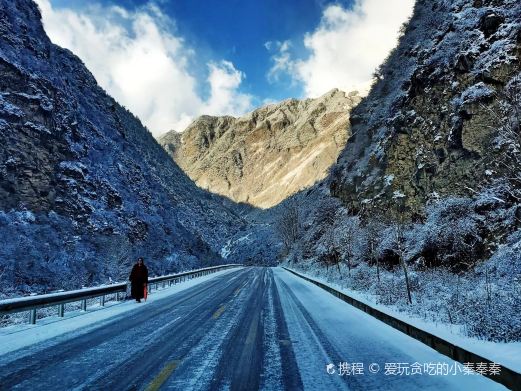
<point x="431" y="173"/>
<point x="267" y="155"/>
<point x="84" y="187"/>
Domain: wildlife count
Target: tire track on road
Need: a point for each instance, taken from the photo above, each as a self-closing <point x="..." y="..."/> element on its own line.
<point x="120" y="333"/>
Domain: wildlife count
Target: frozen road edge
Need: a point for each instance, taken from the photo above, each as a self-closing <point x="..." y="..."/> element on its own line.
<point x="16" y="337"/>
<point x="506" y="377"/>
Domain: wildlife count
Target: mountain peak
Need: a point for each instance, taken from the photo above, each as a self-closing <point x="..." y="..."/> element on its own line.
<point x="268" y="154"/>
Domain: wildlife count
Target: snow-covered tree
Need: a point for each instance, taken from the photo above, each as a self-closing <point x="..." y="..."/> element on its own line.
<point x="451" y="234"/>
<point x="288" y="225"/>
<point x="347" y="237"/>
<point x="507" y="117"/>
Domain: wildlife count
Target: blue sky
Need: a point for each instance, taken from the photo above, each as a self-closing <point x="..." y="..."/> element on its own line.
<point x="237" y="30"/>
<point x="223" y="56"/>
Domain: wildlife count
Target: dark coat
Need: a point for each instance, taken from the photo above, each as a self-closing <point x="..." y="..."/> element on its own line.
<point x="138" y="278"/>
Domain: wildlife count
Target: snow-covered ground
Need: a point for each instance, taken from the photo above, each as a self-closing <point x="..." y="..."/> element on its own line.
<point x="18" y="336"/>
<point x="326" y="330"/>
<point x="506" y="354"/>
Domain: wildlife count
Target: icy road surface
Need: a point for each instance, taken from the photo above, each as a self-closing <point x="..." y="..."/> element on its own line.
<point x="248" y="329"/>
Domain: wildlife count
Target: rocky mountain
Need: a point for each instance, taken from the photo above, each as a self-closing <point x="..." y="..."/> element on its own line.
<point x="269" y="154"/>
<point x="84" y="187"/>
<point x="429" y="125"/>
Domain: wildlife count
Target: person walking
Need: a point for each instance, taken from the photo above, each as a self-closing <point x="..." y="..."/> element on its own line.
<point x="139" y="280"/>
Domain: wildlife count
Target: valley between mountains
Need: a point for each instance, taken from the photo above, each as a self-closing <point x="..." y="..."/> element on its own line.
<point x="409" y="193"/>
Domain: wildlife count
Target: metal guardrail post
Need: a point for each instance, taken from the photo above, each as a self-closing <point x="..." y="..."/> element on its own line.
<point x="32" y="316"/>
<point x="61" y="310"/>
<point x="84" y="305"/>
<point x="102" y="301"/>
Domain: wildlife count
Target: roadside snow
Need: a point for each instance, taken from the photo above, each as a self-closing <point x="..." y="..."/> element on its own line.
<point x="506" y="354"/>
<point x="19" y="336"/>
<point x="330" y="331"/>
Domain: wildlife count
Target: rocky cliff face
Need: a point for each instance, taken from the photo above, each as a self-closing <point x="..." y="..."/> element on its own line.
<point x="269" y="154"/>
<point x="428" y="126"/>
<point x="84" y="187"/>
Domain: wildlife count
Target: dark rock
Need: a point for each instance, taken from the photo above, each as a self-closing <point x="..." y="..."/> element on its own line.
<point x="464" y="62"/>
<point x="490" y="22"/>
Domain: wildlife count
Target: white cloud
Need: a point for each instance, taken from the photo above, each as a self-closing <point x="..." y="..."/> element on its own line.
<point x="346" y="47"/>
<point x="224" y="80"/>
<point x="142" y="64"/>
<point x="282" y="61"/>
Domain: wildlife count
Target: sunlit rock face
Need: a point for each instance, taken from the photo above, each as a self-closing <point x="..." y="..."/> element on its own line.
<point x="269" y="154"/>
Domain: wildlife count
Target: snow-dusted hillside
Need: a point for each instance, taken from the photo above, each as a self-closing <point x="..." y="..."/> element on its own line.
<point x="84" y="187"/>
<point x="427" y="127"/>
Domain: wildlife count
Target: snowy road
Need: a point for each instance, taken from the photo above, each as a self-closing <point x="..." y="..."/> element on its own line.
<point x="249" y="329"/>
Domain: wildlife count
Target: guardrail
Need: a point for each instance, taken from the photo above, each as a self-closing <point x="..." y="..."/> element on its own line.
<point x="33" y="303"/>
<point x="507" y="376"/>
